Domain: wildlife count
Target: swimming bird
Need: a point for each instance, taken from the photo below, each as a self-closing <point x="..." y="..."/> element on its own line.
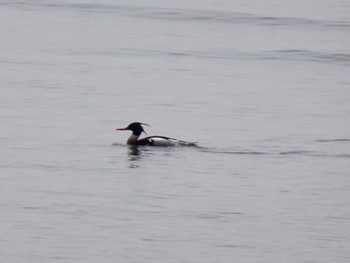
<point x="137" y="129"/>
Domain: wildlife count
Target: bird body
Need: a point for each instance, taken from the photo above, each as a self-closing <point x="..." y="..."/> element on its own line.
<point x="137" y="129"/>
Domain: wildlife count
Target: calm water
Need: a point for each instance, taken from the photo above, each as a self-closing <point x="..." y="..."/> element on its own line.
<point x="263" y="86"/>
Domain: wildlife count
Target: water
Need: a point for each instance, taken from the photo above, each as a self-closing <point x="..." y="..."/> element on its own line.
<point x="263" y="86"/>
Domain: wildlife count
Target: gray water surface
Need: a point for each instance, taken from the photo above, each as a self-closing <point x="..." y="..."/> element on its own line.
<point x="262" y="86"/>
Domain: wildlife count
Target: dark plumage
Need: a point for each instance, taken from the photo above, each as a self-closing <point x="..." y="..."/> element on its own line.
<point x="137" y="129"/>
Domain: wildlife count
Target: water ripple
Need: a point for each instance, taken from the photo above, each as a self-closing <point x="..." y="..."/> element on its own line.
<point x="308" y="153"/>
<point x="298" y="55"/>
<point x="307" y="55"/>
<point x="334" y="140"/>
<point x="182" y="15"/>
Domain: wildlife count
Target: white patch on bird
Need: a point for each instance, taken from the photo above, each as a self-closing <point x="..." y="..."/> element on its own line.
<point x="163" y="142"/>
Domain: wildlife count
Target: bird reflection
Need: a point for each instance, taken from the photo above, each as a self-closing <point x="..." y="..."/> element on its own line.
<point x="135" y="155"/>
<point x="134" y="152"/>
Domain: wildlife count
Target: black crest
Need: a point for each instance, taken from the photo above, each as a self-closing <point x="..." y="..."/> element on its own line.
<point x="136" y="128"/>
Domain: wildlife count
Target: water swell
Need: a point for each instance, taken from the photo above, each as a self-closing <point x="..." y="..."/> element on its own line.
<point x="334" y="140"/>
<point x="304" y="153"/>
<point x="307" y="55"/>
<point x="182" y="15"/>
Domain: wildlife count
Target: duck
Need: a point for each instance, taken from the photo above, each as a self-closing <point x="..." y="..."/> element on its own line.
<point x="137" y="129"/>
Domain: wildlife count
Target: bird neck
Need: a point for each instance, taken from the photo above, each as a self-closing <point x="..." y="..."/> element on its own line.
<point x="133" y="139"/>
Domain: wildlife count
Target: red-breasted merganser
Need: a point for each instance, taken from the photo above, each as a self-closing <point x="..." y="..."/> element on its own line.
<point x="137" y="129"/>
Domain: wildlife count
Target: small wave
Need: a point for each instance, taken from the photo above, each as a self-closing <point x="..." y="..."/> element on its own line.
<point x="306" y="153"/>
<point x="334" y="140"/>
<point x="342" y="156"/>
<point x="306" y="55"/>
<point x="298" y="152"/>
<point x="297" y="55"/>
<point x="245" y="152"/>
<point x="118" y="144"/>
<point x="182" y="14"/>
<point x="316" y="154"/>
<point x="284" y="153"/>
<point x="206" y="150"/>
